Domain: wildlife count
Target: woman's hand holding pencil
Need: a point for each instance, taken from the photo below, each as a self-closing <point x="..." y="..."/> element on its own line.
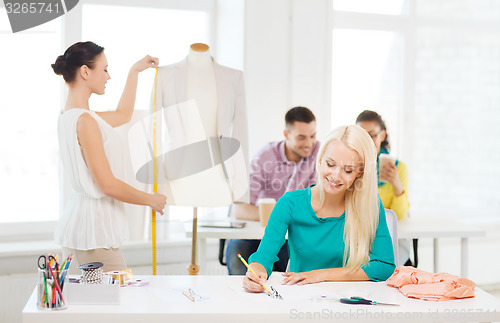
<point x="255" y="278"/>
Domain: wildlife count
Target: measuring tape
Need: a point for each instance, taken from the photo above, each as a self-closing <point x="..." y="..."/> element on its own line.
<point x="155" y="181"/>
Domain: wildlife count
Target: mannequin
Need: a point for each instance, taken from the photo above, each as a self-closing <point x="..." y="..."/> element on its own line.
<point x="202" y="102"/>
<point x="201" y="86"/>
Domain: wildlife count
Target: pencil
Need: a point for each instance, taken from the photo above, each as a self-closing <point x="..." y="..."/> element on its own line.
<point x="188" y="296"/>
<point x="56" y="283"/>
<point x="246" y="264"/>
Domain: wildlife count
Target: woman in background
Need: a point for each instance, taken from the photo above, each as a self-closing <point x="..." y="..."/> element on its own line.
<point x="337" y="229"/>
<point x="392" y="177"/>
<point x="93" y="224"/>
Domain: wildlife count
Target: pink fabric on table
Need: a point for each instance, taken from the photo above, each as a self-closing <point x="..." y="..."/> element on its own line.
<point x="416" y="283"/>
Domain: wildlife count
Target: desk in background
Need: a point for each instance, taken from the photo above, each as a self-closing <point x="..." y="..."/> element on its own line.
<point x="408" y="228"/>
<point x="435" y="228"/>
<point x="162" y="301"/>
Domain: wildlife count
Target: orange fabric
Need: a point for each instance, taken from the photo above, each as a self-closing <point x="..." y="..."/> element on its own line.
<point x="416" y="283"/>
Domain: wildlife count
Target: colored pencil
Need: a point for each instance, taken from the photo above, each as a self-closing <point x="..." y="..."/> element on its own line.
<point x="58" y="289"/>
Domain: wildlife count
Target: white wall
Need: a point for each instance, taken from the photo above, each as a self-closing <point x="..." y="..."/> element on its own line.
<point x="286" y="48"/>
<point x="310" y="66"/>
<point x="229" y="33"/>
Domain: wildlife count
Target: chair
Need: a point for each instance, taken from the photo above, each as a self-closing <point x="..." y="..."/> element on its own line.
<point x="222" y="251"/>
<point x="406" y="243"/>
<point x="392" y="225"/>
<point x="222" y="242"/>
<point x="415" y="251"/>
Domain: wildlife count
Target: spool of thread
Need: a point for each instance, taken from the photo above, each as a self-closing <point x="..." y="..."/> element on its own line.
<point x="118" y="276"/>
<point x="92" y="273"/>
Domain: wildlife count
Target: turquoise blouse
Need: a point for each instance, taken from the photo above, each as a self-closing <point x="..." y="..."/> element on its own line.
<point x="317" y="243"/>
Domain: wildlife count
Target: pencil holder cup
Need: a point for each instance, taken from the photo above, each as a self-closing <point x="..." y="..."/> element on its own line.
<point x="51" y="292"/>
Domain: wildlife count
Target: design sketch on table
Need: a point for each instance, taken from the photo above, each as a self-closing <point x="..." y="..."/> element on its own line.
<point x="185" y="294"/>
<point x="272" y="292"/>
<point x="290" y="293"/>
<point x="192" y="295"/>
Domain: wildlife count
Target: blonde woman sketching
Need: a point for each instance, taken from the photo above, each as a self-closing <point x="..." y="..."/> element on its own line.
<point x="337" y="230"/>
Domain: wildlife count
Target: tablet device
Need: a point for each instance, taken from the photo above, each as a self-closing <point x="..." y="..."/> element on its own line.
<point x="222" y="224"/>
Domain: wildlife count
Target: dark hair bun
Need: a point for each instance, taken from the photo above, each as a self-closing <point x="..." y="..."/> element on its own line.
<point x="59" y="66"/>
<point x="78" y="54"/>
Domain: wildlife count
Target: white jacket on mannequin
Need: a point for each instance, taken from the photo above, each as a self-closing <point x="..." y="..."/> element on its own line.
<point x="172" y="101"/>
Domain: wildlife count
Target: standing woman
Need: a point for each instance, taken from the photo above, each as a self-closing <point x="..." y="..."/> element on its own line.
<point x="93" y="224"/>
<point x="392" y="178"/>
<point x="337" y="230"/>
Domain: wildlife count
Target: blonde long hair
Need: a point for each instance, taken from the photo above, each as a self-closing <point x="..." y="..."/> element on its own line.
<point x="361" y="199"/>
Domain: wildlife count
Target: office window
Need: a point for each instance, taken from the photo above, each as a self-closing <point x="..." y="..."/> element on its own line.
<point x="29" y="107"/>
<point x="385" y="7"/>
<point x="479" y="10"/>
<point x="164" y="33"/>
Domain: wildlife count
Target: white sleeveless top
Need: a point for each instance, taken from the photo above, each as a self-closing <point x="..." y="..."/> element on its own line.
<point x="89" y="219"/>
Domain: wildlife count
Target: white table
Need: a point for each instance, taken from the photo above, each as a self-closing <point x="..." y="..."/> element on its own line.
<point x="162" y="301"/>
<point x="408" y="228"/>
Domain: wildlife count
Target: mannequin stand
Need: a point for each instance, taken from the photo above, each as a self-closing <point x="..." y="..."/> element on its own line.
<point x="193" y="268"/>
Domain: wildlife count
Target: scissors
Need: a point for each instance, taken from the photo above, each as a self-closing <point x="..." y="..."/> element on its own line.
<point x="46" y="260"/>
<point x="355" y="300"/>
<point x="42" y="265"/>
